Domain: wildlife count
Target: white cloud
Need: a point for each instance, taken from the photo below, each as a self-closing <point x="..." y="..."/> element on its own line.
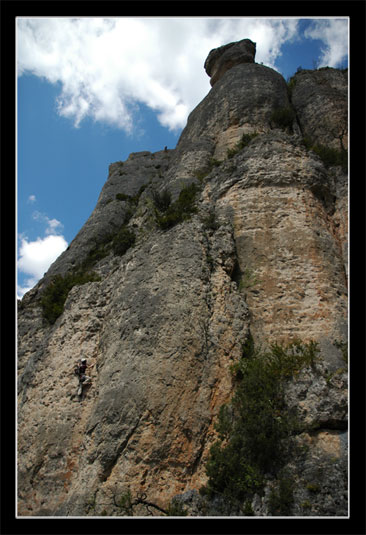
<point x="32" y="199"/>
<point x="35" y="257"/>
<point x="334" y="34"/>
<point x="107" y="66"/>
<point x="53" y="226"/>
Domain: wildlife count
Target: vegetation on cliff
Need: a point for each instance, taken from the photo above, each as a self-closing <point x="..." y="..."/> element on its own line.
<point x="255" y="427"/>
<point x="244" y="141"/>
<point x="283" y="117"/>
<point x="328" y="155"/>
<point x="259" y="255"/>
<point x="58" y="289"/>
<point x="170" y="214"/>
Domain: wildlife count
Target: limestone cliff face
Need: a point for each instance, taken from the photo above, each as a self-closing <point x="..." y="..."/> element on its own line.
<point x="319" y="98"/>
<point x="169" y="317"/>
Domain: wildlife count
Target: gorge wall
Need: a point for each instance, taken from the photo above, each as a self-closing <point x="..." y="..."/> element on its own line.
<point x="263" y="253"/>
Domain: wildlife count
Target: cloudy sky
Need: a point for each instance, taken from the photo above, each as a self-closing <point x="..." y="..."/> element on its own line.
<point x="92" y="90"/>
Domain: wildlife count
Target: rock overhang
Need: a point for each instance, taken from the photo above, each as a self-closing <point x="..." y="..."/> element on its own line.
<point x="227" y="56"/>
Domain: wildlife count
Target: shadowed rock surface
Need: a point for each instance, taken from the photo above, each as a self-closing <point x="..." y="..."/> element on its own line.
<point x="320" y="98"/>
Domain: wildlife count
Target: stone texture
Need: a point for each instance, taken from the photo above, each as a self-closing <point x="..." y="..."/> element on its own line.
<point x="319" y="475"/>
<point x="241" y="102"/>
<point x="320" y="98"/>
<point x="126" y="177"/>
<point x="279" y="200"/>
<point x="225" y="57"/>
<point x="163" y="330"/>
<point x="320" y="397"/>
<point x="166" y="320"/>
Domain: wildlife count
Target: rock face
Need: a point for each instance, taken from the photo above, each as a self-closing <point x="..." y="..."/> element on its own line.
<point x="265" y="252"/>
<point x="241" y="102"/>
<point x="320" y="100"/>
<point x="225" y="57"/>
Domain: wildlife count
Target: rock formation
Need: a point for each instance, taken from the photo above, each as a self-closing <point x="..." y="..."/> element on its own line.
<point x="262" y="253"/>
<point x="225" y="57"/>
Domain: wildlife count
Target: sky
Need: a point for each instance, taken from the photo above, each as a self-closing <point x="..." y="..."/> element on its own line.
<point x="92" y="90"/>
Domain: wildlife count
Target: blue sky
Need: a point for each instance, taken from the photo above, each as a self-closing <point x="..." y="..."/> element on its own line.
<point x="90" y="91"/>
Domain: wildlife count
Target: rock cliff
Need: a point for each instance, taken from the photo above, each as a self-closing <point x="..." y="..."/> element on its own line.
<point x="259" y="250"/>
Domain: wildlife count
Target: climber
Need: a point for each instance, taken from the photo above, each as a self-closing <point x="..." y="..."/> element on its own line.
<point x="80" y="370"/>
<point x="82" y="366"/>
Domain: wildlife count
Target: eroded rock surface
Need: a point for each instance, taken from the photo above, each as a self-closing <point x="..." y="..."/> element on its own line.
<point x="265" y="252"/>
<point x="225" y="57"/>
<point x="320" y="98"/>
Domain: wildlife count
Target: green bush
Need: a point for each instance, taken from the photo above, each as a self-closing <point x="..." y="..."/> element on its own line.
<point x="246" y="139"/>
<point x="180" y="210"/>
<point x="244" y="142"/>
<point x="248" y="509"/>
<point x="291" y="82"/>
<point x="162" y="200"/>
<point x="99" y="251"/>
<point x="254" y="426"/>
<point x="131" y="199"/>
<point x="214" y="163"/>
<point x="230" y="474"/>
<point x="55" y="295"/>
<point x="328" y="155"/>
<point x="231" y="152"/>
<point x="248" y="280"/>
<point x="283" y="117"/>
<point x="123" y="197"/>
<point x="123" y="240"/>
<point x="343" y="347"/>
<point x="287" y="361"/>
<point x="313" y="488"/>
<point x="201" y="173"/>
<point x="135" y="198"/>
<point x="308" y="143"/>
<point x="210" y="222"/>
<point x="282" y="499"/>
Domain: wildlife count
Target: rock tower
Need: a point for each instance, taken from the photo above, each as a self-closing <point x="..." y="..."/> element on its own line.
<point x="256" y="245"/>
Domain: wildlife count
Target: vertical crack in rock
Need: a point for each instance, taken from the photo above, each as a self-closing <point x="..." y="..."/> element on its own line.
<point x="111" y="463"/>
